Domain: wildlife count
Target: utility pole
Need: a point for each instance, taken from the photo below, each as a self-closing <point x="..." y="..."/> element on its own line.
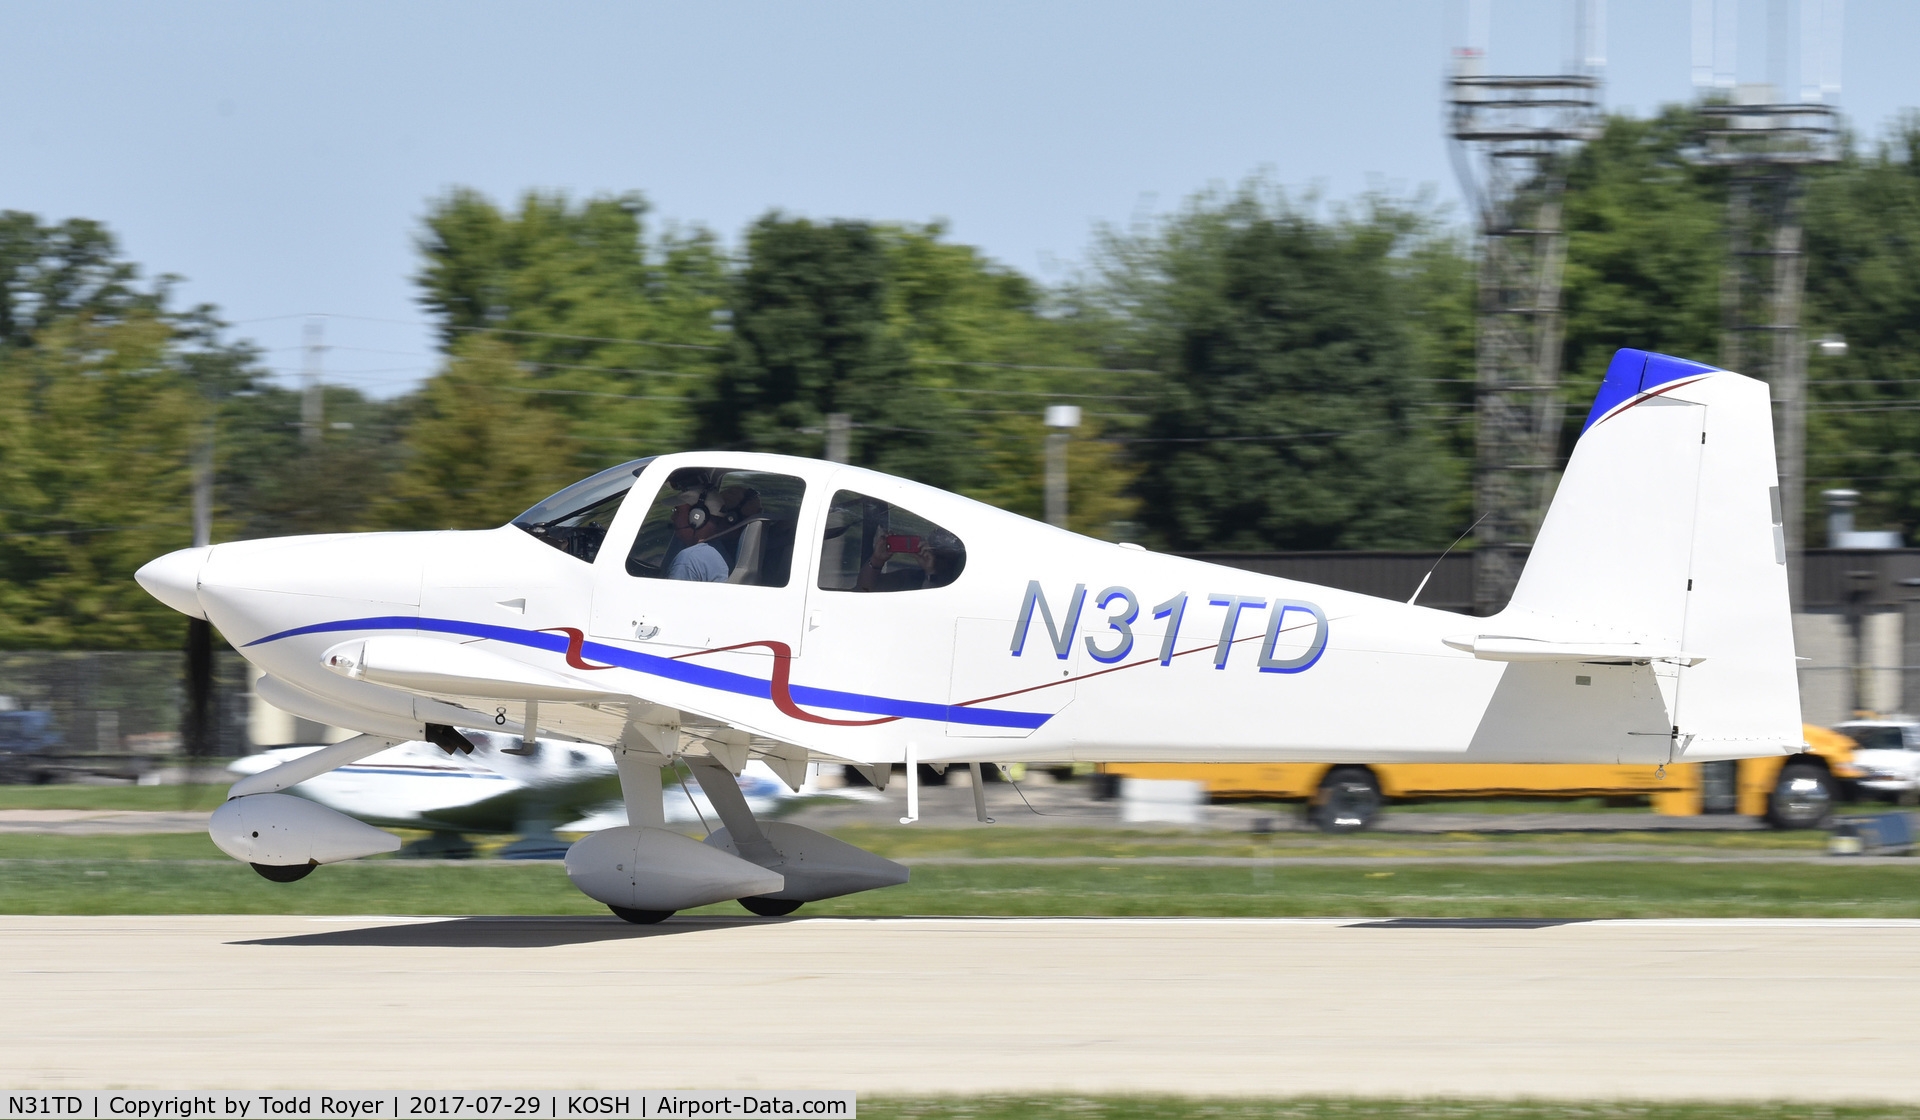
<point x="1766" y="144"/>
<point x="839" y="437"/>
<point x="1061" y="420"/>
<point x="197" y="733"/>
<point x="312" y="399"/>
<point x="1513" y="137"/>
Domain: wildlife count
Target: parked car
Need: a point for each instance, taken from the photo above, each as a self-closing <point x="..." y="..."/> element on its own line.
<point x="1887" y="754"/>
<point x="25" y="738"/>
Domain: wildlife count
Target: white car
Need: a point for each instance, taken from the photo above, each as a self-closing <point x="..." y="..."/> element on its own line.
<point x="1888" y="756"/>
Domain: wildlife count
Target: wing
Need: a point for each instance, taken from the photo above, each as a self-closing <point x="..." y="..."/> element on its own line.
<point x="469" y="685"/>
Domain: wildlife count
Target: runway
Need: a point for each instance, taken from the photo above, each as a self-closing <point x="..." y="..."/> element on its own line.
<point x="1648" y="1009"/>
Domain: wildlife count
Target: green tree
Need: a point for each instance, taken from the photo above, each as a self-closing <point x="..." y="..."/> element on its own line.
<point x="615" y="330"/>
<point x="1863" y="283"/>
<point x="51" y="272"/>
<point x="1646" y="240"/>
<point x="97" y="419"/>
<point x="1293" y="413"/>
<point x="105" y="392"/>
<point x="476" y="453"/>
<point x="980" y="340"/>
<point x="270" y="482"/>
<point x="812" y="336"/>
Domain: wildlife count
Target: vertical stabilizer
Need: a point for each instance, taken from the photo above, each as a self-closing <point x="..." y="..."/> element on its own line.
<point x="1665" y="540"/>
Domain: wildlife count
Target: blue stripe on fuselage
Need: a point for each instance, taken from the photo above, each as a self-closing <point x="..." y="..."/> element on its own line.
<point x="684" y="671"/>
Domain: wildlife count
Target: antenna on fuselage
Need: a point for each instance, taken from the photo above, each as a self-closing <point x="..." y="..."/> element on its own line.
<point x="1443" y="556"/>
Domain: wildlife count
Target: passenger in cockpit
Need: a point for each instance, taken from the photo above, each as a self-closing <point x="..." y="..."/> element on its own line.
<point x="697" y="519"/>
<point x="934" y="556"/>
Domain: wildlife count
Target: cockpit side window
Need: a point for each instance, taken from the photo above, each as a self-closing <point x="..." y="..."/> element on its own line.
<point x="714" y="525"/>
<point x="576" y="519"/>
<point x="870" y="545"/>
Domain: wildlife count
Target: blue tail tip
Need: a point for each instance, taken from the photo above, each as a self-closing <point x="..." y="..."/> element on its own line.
<point x="1633" y="372"/>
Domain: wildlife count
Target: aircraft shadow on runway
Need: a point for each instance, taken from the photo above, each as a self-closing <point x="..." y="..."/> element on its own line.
<point x="1466" y="923"/>
<point x="543" y="932"/>
<point x="504" y="933"/>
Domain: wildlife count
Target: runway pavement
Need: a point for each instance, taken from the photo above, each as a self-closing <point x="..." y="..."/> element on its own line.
<point x="98" y="822"/>
<point x="1651" y="1009"/>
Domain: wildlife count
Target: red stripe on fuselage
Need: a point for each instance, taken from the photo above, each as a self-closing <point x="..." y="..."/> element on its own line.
<point x="575" y="639"/>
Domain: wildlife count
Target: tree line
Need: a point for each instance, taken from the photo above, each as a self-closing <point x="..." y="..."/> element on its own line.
<point x="1257" y="370"/>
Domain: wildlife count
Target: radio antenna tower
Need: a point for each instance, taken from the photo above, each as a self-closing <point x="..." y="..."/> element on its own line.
<point x="1513" y="137"/>
<point x="1766" y="142"/>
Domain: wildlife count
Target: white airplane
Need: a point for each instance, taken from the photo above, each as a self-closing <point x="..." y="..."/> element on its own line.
<point x="497" y="787"/>
<point x="719" y="606"/>
<point x="500" y="787"/>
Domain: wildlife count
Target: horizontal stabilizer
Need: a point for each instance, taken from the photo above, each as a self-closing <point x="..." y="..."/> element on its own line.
<point x="1502" y="647"/>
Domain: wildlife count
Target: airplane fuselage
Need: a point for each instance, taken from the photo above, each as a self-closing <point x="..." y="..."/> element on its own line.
<point x="1046" y="645"/>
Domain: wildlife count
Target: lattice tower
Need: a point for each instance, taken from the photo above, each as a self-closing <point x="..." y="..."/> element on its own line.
<point x="1513" y="138"/>
<point x="1766" y="148"/>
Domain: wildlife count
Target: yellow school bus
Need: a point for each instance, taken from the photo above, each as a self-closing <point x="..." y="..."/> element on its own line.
<point x="1796" y="791"/>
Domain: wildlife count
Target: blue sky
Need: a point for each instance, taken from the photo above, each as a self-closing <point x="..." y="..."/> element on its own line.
<point x="279" y="156"/>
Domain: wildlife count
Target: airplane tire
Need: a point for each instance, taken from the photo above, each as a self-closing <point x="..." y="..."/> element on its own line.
<point x="1802" y="798"/>
<point x="640" y="917"/>
<point x="284" y="872"/>
<point x="769" y="907"/>
<point x="1348" y="800"/>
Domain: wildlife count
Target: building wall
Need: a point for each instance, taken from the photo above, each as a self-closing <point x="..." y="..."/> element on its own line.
<point x="268" y="726"/>
<point x="1833" y="686"/>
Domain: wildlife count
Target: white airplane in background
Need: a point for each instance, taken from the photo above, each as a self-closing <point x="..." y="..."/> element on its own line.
<point x="499" y="787"/>
<point x="716" y="607"/>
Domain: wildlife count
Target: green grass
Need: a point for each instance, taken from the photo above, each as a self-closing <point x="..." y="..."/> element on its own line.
<point x="1614" y="889"/>
<point x="144" y="846"/>
<point x="157" y="799"/>
<point x="1352" y="1108"/>
<point x="163" y="887"/>
<point x="1001" y="841"/>
<point x="901" y="843"/>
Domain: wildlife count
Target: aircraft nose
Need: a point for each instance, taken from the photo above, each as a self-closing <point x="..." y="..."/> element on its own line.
<point x="174" y="579"/>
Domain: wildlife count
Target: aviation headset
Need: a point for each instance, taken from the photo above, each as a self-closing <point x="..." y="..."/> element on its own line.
<point x="699" y="511"/>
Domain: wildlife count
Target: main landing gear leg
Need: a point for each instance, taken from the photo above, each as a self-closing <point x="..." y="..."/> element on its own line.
<point x="752" y="844"/>
<point x="640" y="788"/>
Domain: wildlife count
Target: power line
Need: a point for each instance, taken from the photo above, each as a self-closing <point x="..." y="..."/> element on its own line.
<point x="691" y="345"/>
<point x="1055" y="369"/>
<point x="99" y="529"/>
<point x="583" y="393"/>
<point x="1027" y="393"/>
<point x="1273" y="438"/>
<point x="1828" y="410"/>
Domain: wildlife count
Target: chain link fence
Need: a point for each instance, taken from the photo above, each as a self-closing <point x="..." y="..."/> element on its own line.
<point x="68" y="715"/>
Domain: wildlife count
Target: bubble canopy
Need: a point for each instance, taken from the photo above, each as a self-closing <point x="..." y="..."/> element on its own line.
<point x="575" y="520"/>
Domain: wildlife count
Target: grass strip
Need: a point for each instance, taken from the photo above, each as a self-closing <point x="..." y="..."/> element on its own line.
<point x="153" y="799"/>
<point x="1621" y="889"/>
<point x="994" y="1107"/>
<point x="138" y="846"/>
<point x="1045" y="843"/>
<point x="980" y="843"/>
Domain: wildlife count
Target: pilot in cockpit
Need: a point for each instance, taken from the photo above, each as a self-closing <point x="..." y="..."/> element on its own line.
<point x="697" y="519"/>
